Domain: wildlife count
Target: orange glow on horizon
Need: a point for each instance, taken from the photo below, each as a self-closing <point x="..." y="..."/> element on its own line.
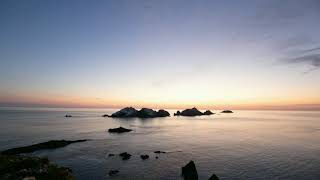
<point x="89" y="102"/>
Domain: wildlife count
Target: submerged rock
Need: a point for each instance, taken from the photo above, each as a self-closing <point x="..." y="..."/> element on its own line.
<point x="189" y="171"/>
<point x="226" y="111"/>
<point x="143" y="113"/>
<point x="125" y="156"/>
<point x="119" y="130"/>
<point x="67" y="115"/>
<point x="110" y="155"/>
<point x="214" y="177"/>
<point x="144" y="156"/>
<point x="53" y="144"/>
<point x="113" y="172"/>
<point x="208" y="112"/>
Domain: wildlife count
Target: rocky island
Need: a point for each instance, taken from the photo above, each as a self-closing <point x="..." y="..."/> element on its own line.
<point x="192" y="112"/>
<point x="119" y="130"/>
<point x="129" y="112"/>
<point x="226" y="111"/>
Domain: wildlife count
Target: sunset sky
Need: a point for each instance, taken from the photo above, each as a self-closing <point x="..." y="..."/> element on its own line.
<point x="248" y="54"/>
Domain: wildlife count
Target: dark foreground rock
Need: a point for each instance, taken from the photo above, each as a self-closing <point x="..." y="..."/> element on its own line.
<point x="192" y="112"/>
<point x="20" y="167"/>
<point x="125" y="156"/>
<point x="214" y="177"/>
<point x="144" y="156"/>
<point x="226" y="111"/>
<point x="45" y="145"/>
<point x="119" y="130"/>
<point x="143" y="113"/>
<point x="189" y="171"/>
<point x="113" y="172"/>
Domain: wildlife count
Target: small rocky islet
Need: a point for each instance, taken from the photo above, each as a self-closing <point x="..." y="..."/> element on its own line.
<point x="119" y="130"/>
<point x="193" y="112"/>
<point x="226" y="111"/>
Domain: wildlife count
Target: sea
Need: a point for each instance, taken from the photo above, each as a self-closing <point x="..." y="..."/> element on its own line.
<point x="254" y="145"/>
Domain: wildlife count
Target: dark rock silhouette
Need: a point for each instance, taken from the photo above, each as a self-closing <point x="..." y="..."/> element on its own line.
<point x="126" y="112"/>
<point x="110" y="155"/>
<point x="163" y="113"/>
<point x="143" y="113"/>
<point x="113" y="172"/>
<point x="119" y="130"/>
<point x="178" y="113"/>
<point x="147" y="113"/>
<point x="67" y="115"/>
<point x="226" y="111"/>
<point x="192" y="112"/>
<point x="159" y="152"/>
<point x="20" y="167"/>
<point x="214" y="177"/>
<point x="125" y="156"/>
<point x="189" y="171"/>
<point x="45" y="145"/>
<point x="208" y="112"/>
<point x="144" y="156"/>
<point x="105" y="115"/>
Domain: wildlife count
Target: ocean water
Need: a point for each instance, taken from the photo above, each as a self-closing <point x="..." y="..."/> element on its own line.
<point x="244" y="145"/>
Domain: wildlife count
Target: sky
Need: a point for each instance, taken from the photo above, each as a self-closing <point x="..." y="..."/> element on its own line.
<point x="246" y="54"/>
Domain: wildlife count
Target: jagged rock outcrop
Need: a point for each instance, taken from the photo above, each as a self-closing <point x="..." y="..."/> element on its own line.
<point x="189" y="171"/>
<point x="143" y="113"/>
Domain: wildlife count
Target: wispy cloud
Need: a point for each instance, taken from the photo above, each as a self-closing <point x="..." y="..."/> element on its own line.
<point x="308" y="56"/>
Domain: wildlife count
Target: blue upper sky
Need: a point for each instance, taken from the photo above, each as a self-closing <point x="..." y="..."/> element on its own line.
<point x="164" y="53"/>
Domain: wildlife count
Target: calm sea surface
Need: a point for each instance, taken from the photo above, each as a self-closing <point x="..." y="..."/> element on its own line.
<point x="244" y="145"/>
